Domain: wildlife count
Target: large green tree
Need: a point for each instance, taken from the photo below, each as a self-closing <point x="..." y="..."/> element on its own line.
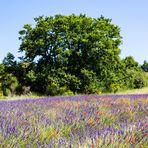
<point x="74" y="43"/>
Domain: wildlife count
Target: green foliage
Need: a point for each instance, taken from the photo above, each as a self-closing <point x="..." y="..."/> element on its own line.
<point x="68" y="93"/>
<point x="1" y="94"/>
<point x="9" y="60"/>
<point x="72" y="82"/>
<point x="2" y="69"/>
<point x="68" y="55"/>
<point x="78" y="51"/>
<point x="145" y="66"/>
<point x="72" y="41"/>
<point x="89" y="81"/>
<point x="9" y="84"/>
<point x="53" y="87"/>
<point x="10" y="63"/>
<point x="114" y="87"/>
<point x="6" y="91"/>
<point x="130" y="63"/>
<point x="140" y="80"/>
<point x="136" y="79"/>
<point x="31" y="76"/>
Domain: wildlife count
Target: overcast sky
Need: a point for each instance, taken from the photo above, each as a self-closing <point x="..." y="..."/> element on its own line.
<point x="130" y="15"/>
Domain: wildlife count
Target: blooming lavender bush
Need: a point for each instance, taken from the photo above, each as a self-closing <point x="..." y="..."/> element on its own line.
<point x="77" y="121"/>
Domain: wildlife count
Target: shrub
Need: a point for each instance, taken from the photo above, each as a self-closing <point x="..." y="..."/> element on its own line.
<point x="139" y="81"/>
<point x="135" y="79"/>
<point x="72" y="82"/>
<point x="7" y="92"/>
<point x="9" y="84"/>
<point x="62" y="90"/>
<point x="52" y="89"/>
<point x="68" y="93"/>
<point x="114" y="87"/>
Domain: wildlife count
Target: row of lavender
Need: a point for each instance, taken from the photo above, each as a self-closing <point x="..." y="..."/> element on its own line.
<point x="78" y="121"/>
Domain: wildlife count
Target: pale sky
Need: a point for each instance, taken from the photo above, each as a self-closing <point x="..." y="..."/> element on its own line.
<point x="130" y="15"/>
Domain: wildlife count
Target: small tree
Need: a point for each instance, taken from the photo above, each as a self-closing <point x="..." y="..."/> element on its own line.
<point x="9" y="84"/>
<point x="145" y="66"/>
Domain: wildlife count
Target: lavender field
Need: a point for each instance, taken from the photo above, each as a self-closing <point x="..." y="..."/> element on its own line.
<point x="105" y="121"/>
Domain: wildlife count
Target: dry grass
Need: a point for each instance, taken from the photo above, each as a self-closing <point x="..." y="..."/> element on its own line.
<point x="135" y="91"/>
